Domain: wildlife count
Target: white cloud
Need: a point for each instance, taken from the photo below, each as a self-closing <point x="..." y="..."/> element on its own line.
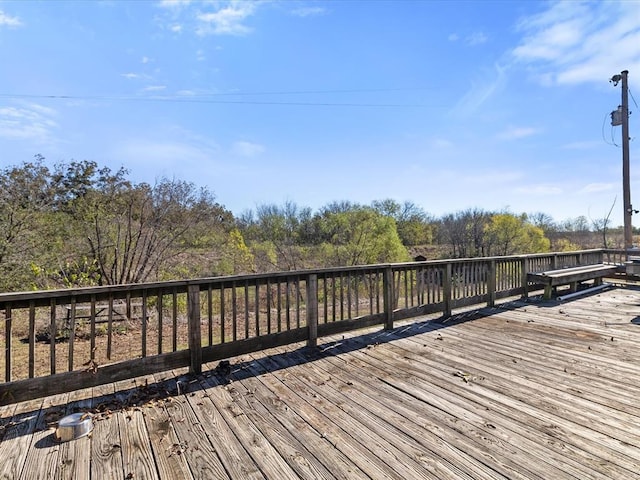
<point x="227" y="20"/>
<point x="173" y="4"/>
<point x="28" y="122"/>
<point x="210" y="17"/>
<point x="145" y="60"/>
<point x="515" y="133"/>
<point x="247" y="149"/>
<point x="482" y="90"/>
<point x="490" y="178"/>
<point x="577" y="42"/>
<point x="154" y="88"/>
<point x="477" y="38"/>
<point x="541" y="189"/>
<point x="9" y="21"/>
<point x="135" y="76"/>
<point x="308" y="11"/>
<point x="597" y="187"/>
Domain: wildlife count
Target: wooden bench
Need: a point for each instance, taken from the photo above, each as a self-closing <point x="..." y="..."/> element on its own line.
<point x="571" y="276"/>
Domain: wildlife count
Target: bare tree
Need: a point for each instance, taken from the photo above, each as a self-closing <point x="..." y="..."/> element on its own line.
<point x="601" y="224"/>
<point x="134" y="229"/>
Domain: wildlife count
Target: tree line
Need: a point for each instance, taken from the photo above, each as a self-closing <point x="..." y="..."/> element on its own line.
<point x="80" y="224"/>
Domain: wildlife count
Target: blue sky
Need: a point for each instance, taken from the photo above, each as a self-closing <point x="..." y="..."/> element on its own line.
<point x="451" y="105"/>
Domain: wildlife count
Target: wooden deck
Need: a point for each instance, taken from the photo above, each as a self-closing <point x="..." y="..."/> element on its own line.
<point x="535" y="390"/>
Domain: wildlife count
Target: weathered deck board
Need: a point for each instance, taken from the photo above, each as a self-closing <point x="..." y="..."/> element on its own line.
<point x="320" y="419"/>
<point x="433" y="406"/>
<point x="493" y="400"/>
<point x="106" y="447"/>
<point x="201" y="456"/>
<point x="389" y="443"/>
<point x="137" y="455"/>
<point x="526" y="390"/>
<point x="579" y="371"/>
<point x="234" y="457"/>
<point x="314" y="440"/>
<point x="430" y="431"/>
<point x="263" y="453"/>
<point x="17" y="439"/>
<point x="44" y="456"/>
<point x="167" y="449"/>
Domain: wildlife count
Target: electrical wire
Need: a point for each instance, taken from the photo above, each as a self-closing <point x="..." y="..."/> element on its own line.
<point x="613" y="142"/>
<point x="210" y="98"/>
<point x="634" y="100"/>
<point x="635" y="103"/>
<point x="604" y="121"/>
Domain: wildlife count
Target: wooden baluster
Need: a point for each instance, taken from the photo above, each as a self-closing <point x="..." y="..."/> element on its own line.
<point x="72" y="330"/>
<point x="8" y="332"/>
<point x="195" y="334"/>
<point x="160" y="309"/>
<point x="32" y="338"/>
<point x="312" y="310"/>
<point x="53" y="330"/>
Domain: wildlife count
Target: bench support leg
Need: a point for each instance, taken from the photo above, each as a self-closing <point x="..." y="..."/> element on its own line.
<point x="548" y="290"/>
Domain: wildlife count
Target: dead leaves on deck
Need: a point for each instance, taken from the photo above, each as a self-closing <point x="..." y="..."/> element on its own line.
<point x="92" y="365"/>
<point x="178" y="448"/>
<point x="467" y="377"/>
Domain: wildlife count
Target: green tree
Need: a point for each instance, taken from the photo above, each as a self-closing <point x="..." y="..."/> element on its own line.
<point x="25" y="196"/>
<point x="278" y="229"/>
<point x="508" y="234"/>
<point x="236" y="257"/>
<point x="360" y="236"/>
<point x="415" y="227"/>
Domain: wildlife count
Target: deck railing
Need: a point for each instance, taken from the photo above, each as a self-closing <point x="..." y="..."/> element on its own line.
<point x="62" y="340"/>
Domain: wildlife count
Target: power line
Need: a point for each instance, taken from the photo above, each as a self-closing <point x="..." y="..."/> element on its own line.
<point x="634" y="100"/>
<point x="604" y="122"/>
<point x="207" y="98"/>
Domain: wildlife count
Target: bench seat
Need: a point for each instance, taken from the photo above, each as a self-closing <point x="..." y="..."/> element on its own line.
<point x="571" y="276"/>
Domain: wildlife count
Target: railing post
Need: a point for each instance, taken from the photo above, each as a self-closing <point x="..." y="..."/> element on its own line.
<point x="554" y="262"/>
<point x="524" y="265"/>
<point x="312" y="309"/>
<point x="387" y="287"/>
<point x="195" y="338"/>
<point x="491" y="284"/>
<point x="446" y="291"/>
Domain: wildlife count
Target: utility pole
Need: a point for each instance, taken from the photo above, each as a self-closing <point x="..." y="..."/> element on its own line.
<point x="623" y="119"/>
